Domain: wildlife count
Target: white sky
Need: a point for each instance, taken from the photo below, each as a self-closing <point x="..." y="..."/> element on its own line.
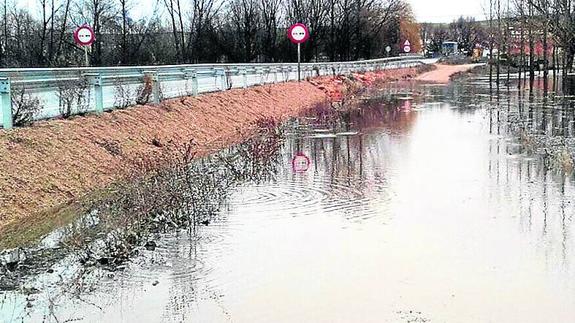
<point x="446" y="10"/>
<point x="425" y="10"/>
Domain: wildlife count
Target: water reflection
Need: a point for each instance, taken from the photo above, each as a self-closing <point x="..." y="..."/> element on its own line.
<point x="432" y="210"/>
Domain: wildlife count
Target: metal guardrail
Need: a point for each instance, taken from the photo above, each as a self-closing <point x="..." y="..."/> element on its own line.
<point x="107" y="88"/>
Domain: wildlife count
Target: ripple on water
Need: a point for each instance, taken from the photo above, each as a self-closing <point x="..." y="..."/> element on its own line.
<point x="300" y="197"/>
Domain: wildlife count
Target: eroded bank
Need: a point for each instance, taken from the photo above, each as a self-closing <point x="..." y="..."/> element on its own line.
<point x="55" y="163"/>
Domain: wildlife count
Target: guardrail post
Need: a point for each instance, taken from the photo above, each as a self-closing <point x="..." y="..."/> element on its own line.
<point x="216" y="74"/>
<point x="223" y="81"/>
<point x="195" y="90"/>
<point x="191" y="74"/>
<point x="260" y="74"/>
<point x="95" y="80"/>
<point x="244" y="73"/>
<point x="6" y="101"/>
<point x="155" y="79"/>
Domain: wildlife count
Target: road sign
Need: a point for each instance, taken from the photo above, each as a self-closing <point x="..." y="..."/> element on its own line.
<point x="388" y="48"/>
<point x="406" y="46"/>
<point x="84" y="35"/>
<point x="298" y="33"/>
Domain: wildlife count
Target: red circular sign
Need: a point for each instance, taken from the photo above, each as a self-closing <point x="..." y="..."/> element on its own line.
<point x="298" y="33"/>
<point x="84" y="35"/>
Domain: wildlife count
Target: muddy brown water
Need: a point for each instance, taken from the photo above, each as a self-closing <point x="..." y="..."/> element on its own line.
<point x="423" y="208"/>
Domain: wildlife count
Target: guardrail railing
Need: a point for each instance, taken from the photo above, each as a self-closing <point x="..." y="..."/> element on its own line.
<point x="61" y="92"/>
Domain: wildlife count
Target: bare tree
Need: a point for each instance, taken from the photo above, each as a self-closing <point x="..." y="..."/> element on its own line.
<point x="4" y="37"/>
<point x="246" y="20"/>
<point x="198" y="31"/>
<point x="202" y="17"/>
<point x="466" y="32"/>
<point x="100" y="14"/>
<point x="561" y="24"/>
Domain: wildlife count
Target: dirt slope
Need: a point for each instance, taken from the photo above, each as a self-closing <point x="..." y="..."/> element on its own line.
<point x="56" y="162"/>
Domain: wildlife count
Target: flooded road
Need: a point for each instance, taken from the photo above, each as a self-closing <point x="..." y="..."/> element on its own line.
<point x="422" y="207"/>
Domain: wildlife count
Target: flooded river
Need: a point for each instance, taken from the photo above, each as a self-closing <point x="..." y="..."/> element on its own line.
<point x="425" y="206"/>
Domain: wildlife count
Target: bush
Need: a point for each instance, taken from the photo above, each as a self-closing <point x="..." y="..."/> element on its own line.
<point x="74" y="97"/>
<point x="123" y="96"/>
<point x="25" y="107"/>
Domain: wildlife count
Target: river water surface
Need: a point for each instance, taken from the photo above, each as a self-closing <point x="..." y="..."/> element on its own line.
<point x="423" y="208"/>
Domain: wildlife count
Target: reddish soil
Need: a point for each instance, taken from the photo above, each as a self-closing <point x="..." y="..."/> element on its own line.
<point x="442" y="74"/>
<point x="54" y="163"/>
<point x="338" y="87"/>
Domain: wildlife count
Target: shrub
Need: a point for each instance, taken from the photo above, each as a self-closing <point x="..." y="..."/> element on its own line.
<point x="123" y="96"/>
<point x="74" y="97"/>
<point x="25" y="107"/>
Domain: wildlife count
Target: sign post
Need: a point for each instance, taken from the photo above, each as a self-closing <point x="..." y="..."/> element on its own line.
<point x="299" y="62"/>
<point x="6" y="103"/>
<point x="298" y="34"/>
<point x="84" y="36"/>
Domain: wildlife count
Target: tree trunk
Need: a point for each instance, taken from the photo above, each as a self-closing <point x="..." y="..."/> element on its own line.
<point x="545" y="63"/>
<point x="531" y="48"/>
<point x="499" y="42"/>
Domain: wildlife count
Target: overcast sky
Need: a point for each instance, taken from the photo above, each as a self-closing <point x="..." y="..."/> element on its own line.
<point x="425" y="10"/>
<point x="446" y="10"/>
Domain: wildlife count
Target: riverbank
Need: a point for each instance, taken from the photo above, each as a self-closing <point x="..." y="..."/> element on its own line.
<point x="53" y="164"/>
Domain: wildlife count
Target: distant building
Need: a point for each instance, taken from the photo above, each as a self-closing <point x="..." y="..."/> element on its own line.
<point x="449" y="48"/>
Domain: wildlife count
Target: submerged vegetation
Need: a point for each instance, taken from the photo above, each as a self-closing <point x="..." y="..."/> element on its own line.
<point x="171" y="191"/>
<point x="558" y="151"/>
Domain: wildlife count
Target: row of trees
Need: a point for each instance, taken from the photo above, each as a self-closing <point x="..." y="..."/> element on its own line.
<point x="533" y="34"/>
<point x="526" y="34"/>
<point x="194" y="31"/>
<point x="466" y="31"/>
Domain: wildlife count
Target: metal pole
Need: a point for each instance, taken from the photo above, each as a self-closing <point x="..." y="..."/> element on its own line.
<point x="95" y="80"/>
<point x="6" y="103"/>
<point x="195" y="89"/>
<point x="298" y="62"/>
<point x="87" y="60"/>
<point x="155" y="79"/>
<point x="245" y="77"/>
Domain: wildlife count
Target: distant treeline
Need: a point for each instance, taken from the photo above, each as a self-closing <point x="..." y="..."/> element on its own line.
<point x="197" y="31"/>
